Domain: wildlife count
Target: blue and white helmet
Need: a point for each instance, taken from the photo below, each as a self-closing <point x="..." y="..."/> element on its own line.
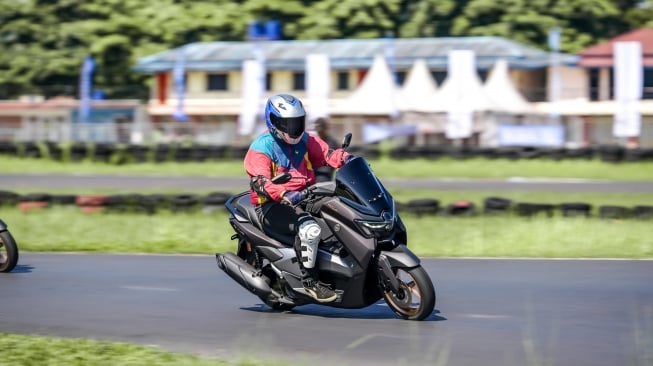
<point x="285" y="117"/>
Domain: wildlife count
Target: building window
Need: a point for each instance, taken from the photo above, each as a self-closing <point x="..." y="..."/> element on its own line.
<point x="647" y="93"/>
<point x="268" y="81"/>
<point x="400" y="77"/>
<point x="343" y="80"/>
<point x="298" y="81"/>
<point x="482" y="74"/>
<point x="439" y="76"/>
<point x="594" y="83"/>
<point x="217" y="82"/>
<point x="611" y="83"/>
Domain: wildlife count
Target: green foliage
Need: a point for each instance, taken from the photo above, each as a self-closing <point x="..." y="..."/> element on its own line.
<point x="39" y="350"/>
<point x="43" y="43"/>
<point x="582" y="22"/>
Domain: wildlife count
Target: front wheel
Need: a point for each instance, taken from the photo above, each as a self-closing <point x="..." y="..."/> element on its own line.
<point x="8" y="252"/>
<point x="415" y="299"/>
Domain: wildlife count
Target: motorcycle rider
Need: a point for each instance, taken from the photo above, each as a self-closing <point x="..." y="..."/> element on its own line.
<point x="287" y="147"/>
<point x="325" y="173"/>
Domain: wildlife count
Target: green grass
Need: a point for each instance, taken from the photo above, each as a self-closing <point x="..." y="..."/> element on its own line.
<point x="595" y="198"/>
<point x="539" y="237"/>
<point x="67" y="229"/>
<point x="385" y="168"/>
<point x="39" y="350"/>
<point x="480" y="168"/>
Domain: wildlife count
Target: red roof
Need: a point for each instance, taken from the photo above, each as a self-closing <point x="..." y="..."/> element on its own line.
<point x="600" y="55"/>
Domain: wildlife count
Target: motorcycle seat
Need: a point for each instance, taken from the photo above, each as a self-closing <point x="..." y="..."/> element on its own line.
<point x="247" y="209"/>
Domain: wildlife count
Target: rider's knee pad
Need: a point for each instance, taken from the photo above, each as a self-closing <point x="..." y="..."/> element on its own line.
<point x="308" y="233"/>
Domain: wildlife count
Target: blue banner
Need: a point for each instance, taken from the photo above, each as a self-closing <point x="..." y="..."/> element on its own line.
<point x="266" y="31"/>
<point x="85" y="85"/>
<point x="179" y="76"/>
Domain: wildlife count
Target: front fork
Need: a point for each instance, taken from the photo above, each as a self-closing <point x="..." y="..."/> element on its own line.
<point x="387" y="277"/>
<point x="399" y="257"/>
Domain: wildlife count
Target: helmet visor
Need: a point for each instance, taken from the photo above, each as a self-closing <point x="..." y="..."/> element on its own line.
<point x="293" y="126"/>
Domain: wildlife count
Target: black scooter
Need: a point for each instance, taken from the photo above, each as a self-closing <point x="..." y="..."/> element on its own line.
<point x="362" y="253"/>
<point x="8" y="249"/>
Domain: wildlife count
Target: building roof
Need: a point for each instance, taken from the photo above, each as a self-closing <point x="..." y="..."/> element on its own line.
<point x="346" y="54"/>
<point x="601" y="54"/>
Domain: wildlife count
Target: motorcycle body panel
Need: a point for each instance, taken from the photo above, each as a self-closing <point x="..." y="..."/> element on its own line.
<point x="359" y="225"/>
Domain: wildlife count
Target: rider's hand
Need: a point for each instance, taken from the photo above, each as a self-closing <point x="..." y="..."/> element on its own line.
<point x="342" y="155"/>
<point x="293" y="197"/>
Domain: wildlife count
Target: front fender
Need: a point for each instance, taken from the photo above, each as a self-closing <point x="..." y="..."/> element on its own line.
<point x="3" y="226"/>
<point x="400" y="257"/>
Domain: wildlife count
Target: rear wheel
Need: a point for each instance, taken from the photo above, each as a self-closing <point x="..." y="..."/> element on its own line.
<point x="415" y="299"/>
<point x="8" y="252"/>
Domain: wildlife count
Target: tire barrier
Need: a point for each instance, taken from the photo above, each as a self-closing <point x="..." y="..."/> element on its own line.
<point x="575" y="209"/>
<point x="214" y="202"/>
<point x="103" y="152"/>
<point x="643" y="212"/>
<point x="460" y="208"/>
<point x="494" y="205"/>
<point x="91" y="203"/>
<point x="614" y="212"/>
<point x="34" y="201"/>
<point x="63" y="199"/>
<point x="122" y="154"/>
<point x="8" y="198"/>
<point x="611" y="154"/>
<point x="422" y="206"/>
<point x="184" y="203"/>
<point x="531" y="209"/>
<point x="78" y="152"/>
<point x="139" y="153"/>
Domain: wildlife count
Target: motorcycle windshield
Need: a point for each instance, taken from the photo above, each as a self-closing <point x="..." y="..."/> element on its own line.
<point x="360" y="188"/>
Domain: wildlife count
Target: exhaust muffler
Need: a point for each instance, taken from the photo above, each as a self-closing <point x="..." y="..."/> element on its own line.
<point x="243" y="273"/>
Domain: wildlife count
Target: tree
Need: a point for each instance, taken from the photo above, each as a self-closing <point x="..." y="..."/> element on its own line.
<point x="428" y="18"/>
<point x="529" y="21"/>
<point x="332" y="19"/>
<point x="43" y="42"/>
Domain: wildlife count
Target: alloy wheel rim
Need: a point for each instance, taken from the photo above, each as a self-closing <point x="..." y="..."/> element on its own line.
<point x="411" y="304"/>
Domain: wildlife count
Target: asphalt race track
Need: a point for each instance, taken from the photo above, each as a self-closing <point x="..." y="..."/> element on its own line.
<point x="235" y="184"/>
<point x="489" y="312"/>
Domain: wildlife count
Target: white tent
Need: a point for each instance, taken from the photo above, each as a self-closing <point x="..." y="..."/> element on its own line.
<point x="500" y="89"/>
<point x="419" y="91"/>
<point x="462" y="89"/>
<point x="377" y="94"/>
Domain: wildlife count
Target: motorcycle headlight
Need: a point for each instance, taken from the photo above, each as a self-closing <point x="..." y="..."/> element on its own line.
<point x="378" y="228"/>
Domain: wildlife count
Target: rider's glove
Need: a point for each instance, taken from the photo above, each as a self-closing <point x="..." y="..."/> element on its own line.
<point x="342" y="156"/>
<point x="293" y="197"/>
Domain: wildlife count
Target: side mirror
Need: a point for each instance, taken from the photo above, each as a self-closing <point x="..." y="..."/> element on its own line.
<point x="346" y="141"/>
<point x="281" y="178"/>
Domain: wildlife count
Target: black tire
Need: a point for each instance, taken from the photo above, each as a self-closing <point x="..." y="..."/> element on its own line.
<point x="8" y="252"/>
<point x="402" y="305"/>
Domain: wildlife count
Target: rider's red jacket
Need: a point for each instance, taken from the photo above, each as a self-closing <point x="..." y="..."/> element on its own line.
<point x="268" y="156"/>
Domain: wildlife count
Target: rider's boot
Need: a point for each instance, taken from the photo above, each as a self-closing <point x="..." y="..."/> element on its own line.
<point x="308" y="239"/>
